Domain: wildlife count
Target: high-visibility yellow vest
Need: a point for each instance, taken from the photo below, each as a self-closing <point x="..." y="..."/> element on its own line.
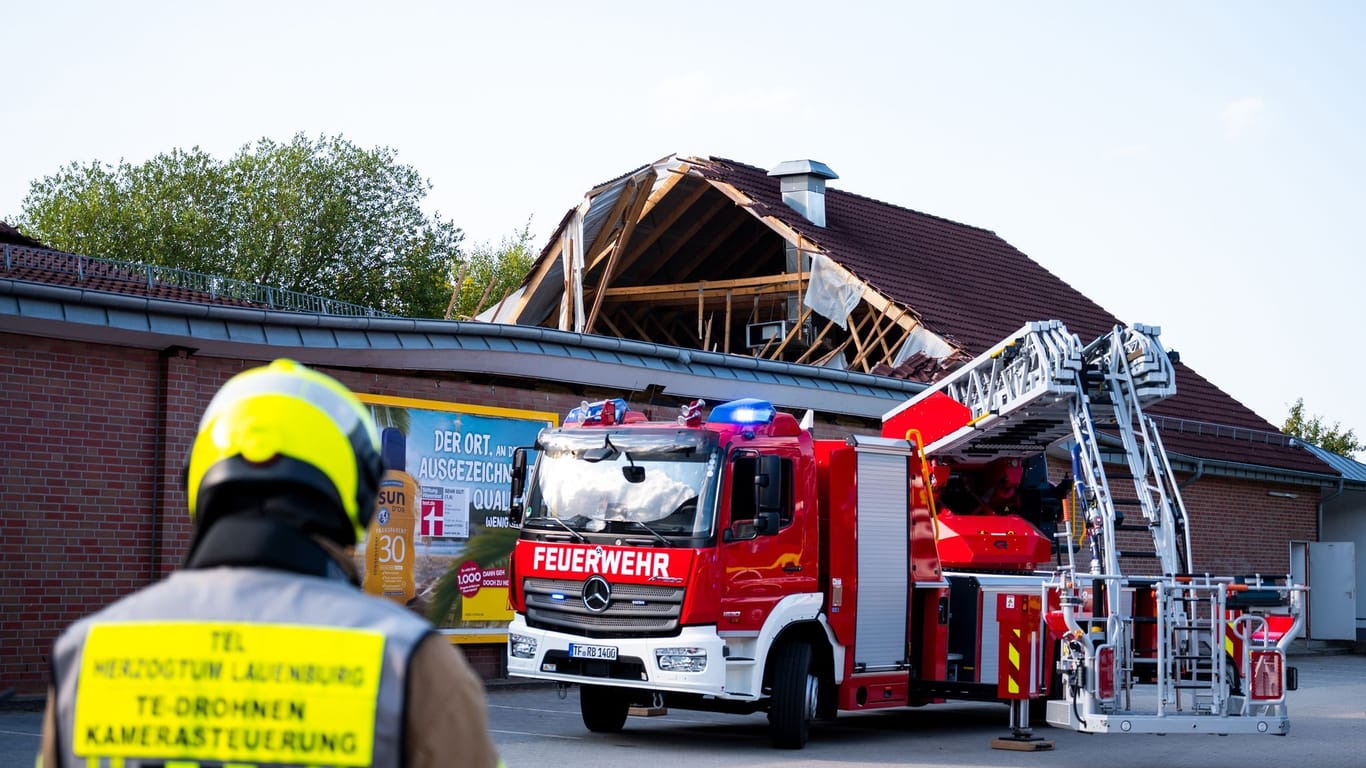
<point x="236" y="666"/>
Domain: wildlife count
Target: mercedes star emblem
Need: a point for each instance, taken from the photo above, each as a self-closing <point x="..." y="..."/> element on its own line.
<point x="597" y="594"/>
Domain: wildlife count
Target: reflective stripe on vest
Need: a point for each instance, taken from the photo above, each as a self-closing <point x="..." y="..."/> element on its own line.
<point x="236" y="666"/>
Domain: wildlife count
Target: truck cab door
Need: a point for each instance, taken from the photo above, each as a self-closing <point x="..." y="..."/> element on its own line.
<point x="764" y="553"/>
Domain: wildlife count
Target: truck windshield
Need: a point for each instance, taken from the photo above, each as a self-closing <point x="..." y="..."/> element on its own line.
<point x="647" y="482"/>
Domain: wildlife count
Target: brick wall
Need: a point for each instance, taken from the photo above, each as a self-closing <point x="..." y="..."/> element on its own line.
<point x="489" y="661"/>
<point x="1238" y="529"/>
<point x="75" y="491"/>
<point x="94" y="440"/>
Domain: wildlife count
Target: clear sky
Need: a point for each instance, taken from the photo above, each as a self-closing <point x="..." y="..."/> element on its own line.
<point x="1195" y="165"/>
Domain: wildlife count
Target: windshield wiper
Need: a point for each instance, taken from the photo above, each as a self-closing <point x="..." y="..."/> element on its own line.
<point x="581" y="538"/>
<point x="607" y="451"/>
<point x="662" y="538"/>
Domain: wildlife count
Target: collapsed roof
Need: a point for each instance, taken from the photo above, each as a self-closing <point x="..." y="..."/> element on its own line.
<point x="712" y="254"/>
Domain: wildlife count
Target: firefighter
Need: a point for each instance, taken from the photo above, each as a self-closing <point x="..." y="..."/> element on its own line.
<point x="1042" y="502"/>
<point x="262" y="650"/>
<point x="992" y="489"/>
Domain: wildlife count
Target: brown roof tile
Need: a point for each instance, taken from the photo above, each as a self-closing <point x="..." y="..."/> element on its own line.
<point x="13" y="236"/>
<point x="39" y="265"/>
<point x="919" y="366"/>
<point x="972" y="287"/>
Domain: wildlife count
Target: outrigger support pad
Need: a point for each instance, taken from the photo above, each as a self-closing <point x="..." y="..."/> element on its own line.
<point x="1021" y="738"/>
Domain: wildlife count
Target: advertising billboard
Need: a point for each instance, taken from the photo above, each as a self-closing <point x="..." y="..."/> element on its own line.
<point x="447" y="483"/>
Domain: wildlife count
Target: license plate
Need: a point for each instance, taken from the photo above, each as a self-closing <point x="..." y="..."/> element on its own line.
<point x="580" y="651"/>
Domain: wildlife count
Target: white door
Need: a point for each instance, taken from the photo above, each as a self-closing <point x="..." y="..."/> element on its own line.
<point x="1330" y="567"/>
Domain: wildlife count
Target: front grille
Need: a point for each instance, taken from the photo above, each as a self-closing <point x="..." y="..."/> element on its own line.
<point x="636" y="610"/>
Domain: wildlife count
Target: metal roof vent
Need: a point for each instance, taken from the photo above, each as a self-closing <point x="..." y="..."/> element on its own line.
<point x="802" y="183"/>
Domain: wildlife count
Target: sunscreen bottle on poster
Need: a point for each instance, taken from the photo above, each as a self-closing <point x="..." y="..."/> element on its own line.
<point x="389" y="551"/>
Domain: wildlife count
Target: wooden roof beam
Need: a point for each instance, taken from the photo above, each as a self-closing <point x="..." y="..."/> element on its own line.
<point x="653" y="317"/>
<point x="553" y="253"/>
<point x="639" y="247"/>
<point x="744" y="286"/>
<point x="637" y="206"/>
<point x="858" y="341"/>
<point x="730" y="294"/>
<point x="704" y="252"/>
<point x="631" y="318"/>
<point x="828" y="356"/>
<point x="652" y="200"/>
<point x="686" y="236"/>
<point x="903" y="316"/>
<point x="455" y="292"/>
<point x="881" y="338"/>
<point x="873" y="298"/>
<point x="539" y="274"/>
<point x="714" y="300"/>
<point x="612" y="225"/>
<point x="816" y="341"/>
<point x="607" y="321"/>
<point x="567" y="293"/>
<point x="788" y="233"/>
<point x="739" y="254"/>
<point x="792" y="333"/>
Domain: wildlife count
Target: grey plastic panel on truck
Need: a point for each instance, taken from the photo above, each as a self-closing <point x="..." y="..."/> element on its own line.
<point x="883" y="536"/>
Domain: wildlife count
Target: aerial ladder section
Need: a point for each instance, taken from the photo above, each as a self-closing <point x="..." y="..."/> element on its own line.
<point x="1126" y="370"/>
<point x="1145" y="654"/>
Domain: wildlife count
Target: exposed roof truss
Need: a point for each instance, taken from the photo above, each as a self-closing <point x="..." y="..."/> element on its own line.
<point x="668" y="254"/>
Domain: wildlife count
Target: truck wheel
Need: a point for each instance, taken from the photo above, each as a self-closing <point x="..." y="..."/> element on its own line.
<point x="604" y="709"/>
<point x="795" y="695"/>
<point x="1235" y="680"/>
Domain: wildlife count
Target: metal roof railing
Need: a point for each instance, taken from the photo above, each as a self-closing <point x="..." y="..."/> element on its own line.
<point x="1222" y="431"/>
<point x="154" y="276"/>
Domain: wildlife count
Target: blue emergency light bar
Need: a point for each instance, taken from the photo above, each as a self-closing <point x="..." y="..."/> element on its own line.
<point x="749" y="411"/>
<point x="592" y="412"/>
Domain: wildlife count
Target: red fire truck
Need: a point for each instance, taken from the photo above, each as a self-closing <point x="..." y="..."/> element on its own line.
<point x="728" y="561"/>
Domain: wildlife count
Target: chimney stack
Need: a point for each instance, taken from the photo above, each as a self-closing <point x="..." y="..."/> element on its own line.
<point x="802" y="183"/>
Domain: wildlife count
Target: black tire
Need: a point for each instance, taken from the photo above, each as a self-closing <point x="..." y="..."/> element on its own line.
<point x="603" y="709"/>
<point x="796" y="692"/>
<point x="1235" y="680"/>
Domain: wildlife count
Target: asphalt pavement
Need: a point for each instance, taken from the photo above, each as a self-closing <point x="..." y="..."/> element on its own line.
<point x="534" y="725"/>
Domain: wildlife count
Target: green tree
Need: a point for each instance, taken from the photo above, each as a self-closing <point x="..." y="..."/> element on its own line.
<point x="320" y="216"/>
<point x="489" y="273"/>
<point x="1315" y="431"/>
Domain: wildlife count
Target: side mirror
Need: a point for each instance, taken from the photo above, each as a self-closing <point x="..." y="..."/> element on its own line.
<point x="768" y="495"/>
<point x="741" y="530"/>
<point x="769" y="482"/>
<point x="516" y="506"/>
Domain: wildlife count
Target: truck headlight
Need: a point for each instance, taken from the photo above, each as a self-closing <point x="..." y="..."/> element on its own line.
<point x="681" y="659"/>
<point x="522" y="646"/>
